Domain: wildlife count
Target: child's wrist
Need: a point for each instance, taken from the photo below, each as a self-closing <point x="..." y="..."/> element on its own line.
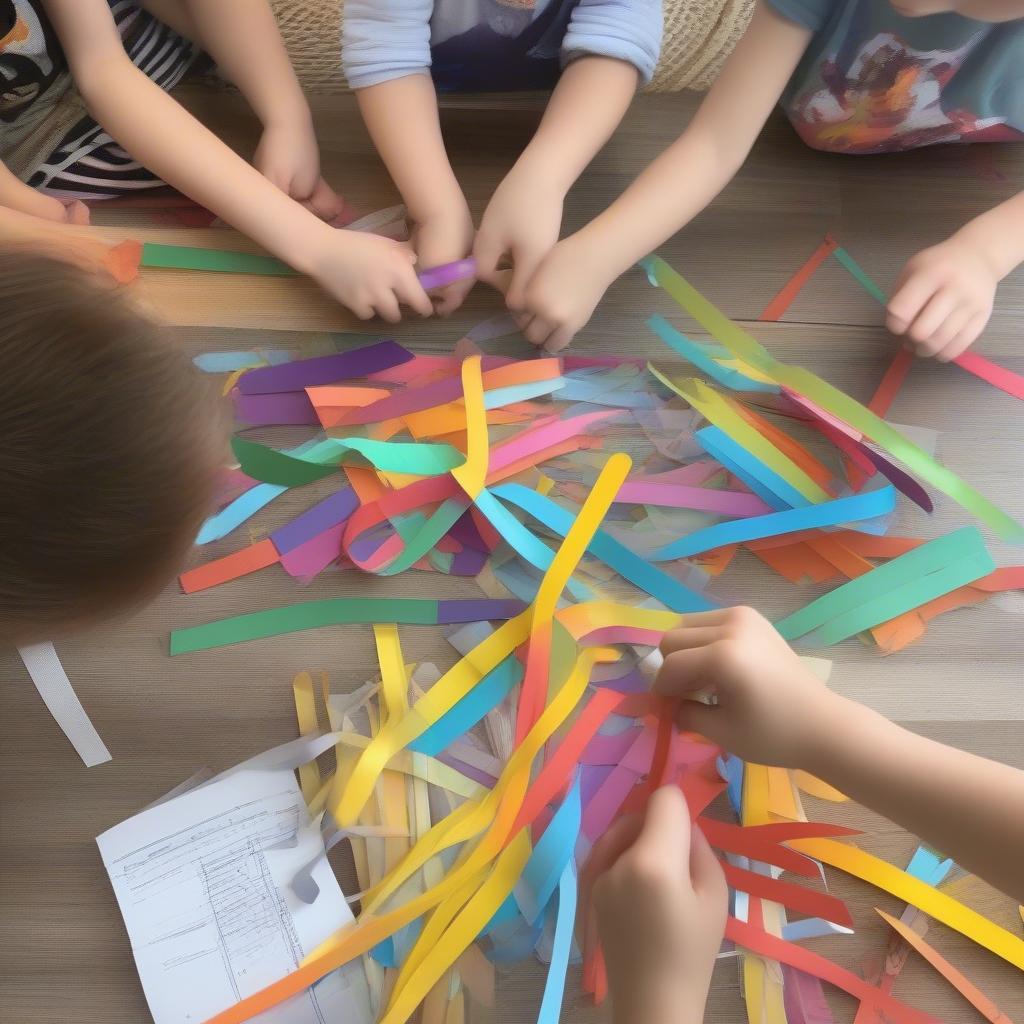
<point x="998" y="241"/>
<point x="843" y="728"/>
<point x="674" y="1002"/>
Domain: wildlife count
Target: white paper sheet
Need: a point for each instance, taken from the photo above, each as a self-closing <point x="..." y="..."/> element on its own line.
<point x="203" y="886"/>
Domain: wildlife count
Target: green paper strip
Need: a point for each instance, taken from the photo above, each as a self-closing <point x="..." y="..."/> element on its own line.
<point x="184" y="257"/>
<point x="276" y="467"/>
<point x="903" y="599"/>
<point x="832" y="400"/>
<point x="910" y="569"/>
<point x="858" y="273"/>
<point x="298" y="617"/>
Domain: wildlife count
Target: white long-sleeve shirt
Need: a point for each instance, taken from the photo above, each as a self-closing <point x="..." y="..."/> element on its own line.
<point x="479" y="45"/>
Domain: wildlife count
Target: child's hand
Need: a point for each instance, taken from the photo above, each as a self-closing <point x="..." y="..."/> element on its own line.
<point x="521" y="222"/>
<point x="369" y="274"/>
<point x="771" y="709"/>
<point x="561" y="296"/>
<point x="661" y="908"/>
<point x="944" y="298"/>
<point x="288" y="155"/>
<point x="444" y="236"/>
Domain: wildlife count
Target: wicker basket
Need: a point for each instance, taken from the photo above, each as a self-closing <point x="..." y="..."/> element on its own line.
<point x="699" y="35"/>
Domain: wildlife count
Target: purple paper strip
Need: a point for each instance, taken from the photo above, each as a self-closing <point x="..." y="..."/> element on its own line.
<point x="304" y="373"/>
<point x="288" y="408"/>
<point x="334" y="509"/>
<point x="592" y="778"/>
<point x="898" y="478"/>
<point x="316" y="554"/>
<point x="468" y="562"/>
<point x="631" y="682"/>
<point x="466" y="533"/>
<point x="469" y="770"/>
<point x="448" y="273"/>
<point x="478" y="610"/>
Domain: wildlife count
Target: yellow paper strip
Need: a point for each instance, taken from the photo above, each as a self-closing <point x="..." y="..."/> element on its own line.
<point x="934" y="903"/>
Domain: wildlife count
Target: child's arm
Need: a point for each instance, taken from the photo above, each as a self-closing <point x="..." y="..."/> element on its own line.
<point x="367" y="273"/>
<point x="243" y="39"/>
<point x="611" y="47"/>
<point x="401" y="116"/>
<point x="943" y="299"/>
<point x="524" y="216"/>
<point x="386" y="58"/>
<point x="569" y="283"/>
<point x="772" y="710"/>
<point x="16" y="195"/>
<point x="661" y="902"/>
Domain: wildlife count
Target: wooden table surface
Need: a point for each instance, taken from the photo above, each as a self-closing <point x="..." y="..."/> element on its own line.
<point x="65" y="955"/>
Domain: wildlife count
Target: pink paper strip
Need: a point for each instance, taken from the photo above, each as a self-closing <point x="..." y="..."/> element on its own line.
<point x="704" y="499"/>
<point x="312" y="557"/>
<point x="998" y="376"/>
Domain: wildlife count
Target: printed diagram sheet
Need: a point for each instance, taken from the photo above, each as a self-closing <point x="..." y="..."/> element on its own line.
<point x="203" y="886"/>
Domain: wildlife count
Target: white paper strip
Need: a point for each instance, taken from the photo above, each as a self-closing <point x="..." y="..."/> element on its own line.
<point x="59" y="696"/>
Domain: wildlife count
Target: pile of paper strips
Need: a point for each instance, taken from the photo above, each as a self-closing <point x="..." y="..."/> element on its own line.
<point x="472" y="853"/>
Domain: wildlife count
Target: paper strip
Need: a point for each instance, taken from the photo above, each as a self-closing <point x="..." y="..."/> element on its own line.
<point x="59" y="696"/>
<point x="911" y="890"/>
<point x="966" y="988"/>
<point x="335" y="612"/>
<point x="831" y="400"/>
<point x="304" y="373"/>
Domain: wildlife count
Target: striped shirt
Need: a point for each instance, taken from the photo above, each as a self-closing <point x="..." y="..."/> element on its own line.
<point x="86" y="162"/>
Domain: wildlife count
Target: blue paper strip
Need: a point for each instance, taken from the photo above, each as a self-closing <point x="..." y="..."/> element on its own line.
<point x="693" y="353"/>
<point x="829" y="513"/>
<point x="625" y="562"/>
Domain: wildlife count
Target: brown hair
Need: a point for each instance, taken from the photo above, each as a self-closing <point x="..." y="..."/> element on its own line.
<point x="109" y="442"/>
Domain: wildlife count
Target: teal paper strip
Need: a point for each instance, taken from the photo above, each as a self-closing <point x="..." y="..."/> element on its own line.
<point x="912" y="567"/>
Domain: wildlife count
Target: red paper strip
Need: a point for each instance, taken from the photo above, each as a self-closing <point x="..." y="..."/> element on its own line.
<point x="792" y="288"/>
<point x="230" y="567"/>
<point x="794" y="897"/>
<point x="773" y="948"/>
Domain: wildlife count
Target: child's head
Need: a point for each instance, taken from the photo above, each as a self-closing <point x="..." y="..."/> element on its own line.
<point x="109" y="443"/>
<point x="980" y="10"/>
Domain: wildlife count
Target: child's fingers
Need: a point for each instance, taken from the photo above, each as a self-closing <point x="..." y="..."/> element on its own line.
<point x="907" y="302"/>
<point x="666" y="828"/>
<point x="714" y="617"/>
<point x="950" y="328"/>
<point x="449" y="299"/>
<point x="525" y="261"/>
<point x="689" y="637"/>
<point x="325" y="202"/>
<point x="537" y="331"/>
<point x="76" y="212"/>
<point x="559" y="339"/>
<point x="966" y="337"/>
<point x="387" y="308"/>
<point x="617" y="838"/>
<point x="685" y="672"/>
<point x="930" y="319"/>
<point x="705" y="871"/>
<point x="411" y="293"/>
